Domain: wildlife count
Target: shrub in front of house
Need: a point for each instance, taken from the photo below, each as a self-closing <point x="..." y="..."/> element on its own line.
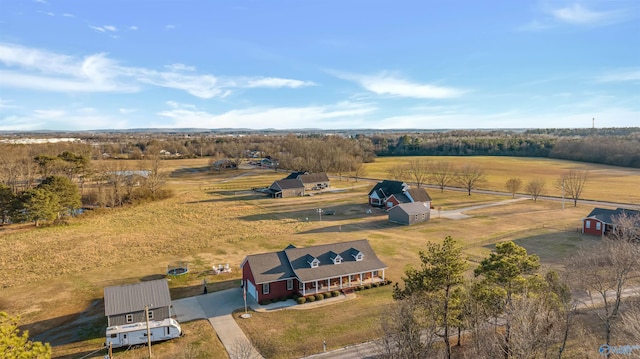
<point x="265" y="301"/>
<point x="311" y="298"/>
<point x="335" y="293"/>
<point x="319" y="296"/>
<point x="301" y="300"/>
<point x="375" y="285"/>
<point x="360" y="287"/>
<point x="327" y="295"/>
<point x="283" y="298"/>
<point x="388" y="281"/>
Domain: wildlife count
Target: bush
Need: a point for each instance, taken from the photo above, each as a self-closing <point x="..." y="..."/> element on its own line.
<point x="388" y="281"/>
<point x="311" y="298"/>
<point x="301" y="300"/>
<point x="283" y="298"/>
<point x="319" y="296"/>
<point x="335" y="293"/>
<point x="295" y="297"/>
<point x="327" y="295"/>
<point x="367" y="286"/>
<point x="265" y="302"/>
<point x="375" y="285"/>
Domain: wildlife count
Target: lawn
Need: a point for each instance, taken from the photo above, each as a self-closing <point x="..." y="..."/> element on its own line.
<point x="217" y="219"/>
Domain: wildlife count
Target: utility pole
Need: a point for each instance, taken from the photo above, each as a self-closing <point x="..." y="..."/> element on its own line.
<point x="146" y="313"/>
<point x="319" y="210"/>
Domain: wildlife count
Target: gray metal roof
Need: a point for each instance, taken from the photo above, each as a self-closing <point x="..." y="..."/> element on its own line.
<point x="411" y="208"/>
<point x="288" y="184"/>
<point x="131" y="298"/>
<point x="298" y="259"/>
<point x="269" y="267"/>
<point x="314" y="177"/>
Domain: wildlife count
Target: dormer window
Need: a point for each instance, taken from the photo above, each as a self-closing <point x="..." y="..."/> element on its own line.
<point x="356" y="254"/>
<point x="313" y="261"/>
<point x="335" y="258"/>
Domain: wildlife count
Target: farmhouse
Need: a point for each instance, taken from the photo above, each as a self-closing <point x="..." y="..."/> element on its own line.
<point x="125" y="304"/>
<point x="601" y="221"/>
<point x="409" y="213"/>
<point x="311" y="180"/>
<point x="286" y="188"/>
<point x="311" y="270"/>
<point x="388" y="194"/>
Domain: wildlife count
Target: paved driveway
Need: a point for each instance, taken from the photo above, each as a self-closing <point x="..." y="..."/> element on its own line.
<point x="217" y="308"/>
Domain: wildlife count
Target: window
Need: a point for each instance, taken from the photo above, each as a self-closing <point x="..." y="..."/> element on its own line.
<point x="598" y="225"/>
<point x="315" y="263"/>
<point x="416" y="217"/>
<point x="300" y="285"/>
<point x="359" y="257"/>
<point x="289" y="284"/>
<point x="265" y="288"/>
<point x="338" y="260"/>
<point x="113" y="335"/>
<point x="588" y="224"/>
<point x="129" y="318"/>
<point x="151" y="315"/>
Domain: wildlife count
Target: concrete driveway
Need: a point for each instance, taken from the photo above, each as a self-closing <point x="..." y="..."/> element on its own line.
<point x="217" y="308"/>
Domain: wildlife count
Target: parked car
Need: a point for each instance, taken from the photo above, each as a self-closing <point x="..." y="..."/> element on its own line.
<point x="329" y="212"/>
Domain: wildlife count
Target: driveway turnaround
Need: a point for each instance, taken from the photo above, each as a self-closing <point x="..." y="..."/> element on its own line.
<point x="217" y="308"/>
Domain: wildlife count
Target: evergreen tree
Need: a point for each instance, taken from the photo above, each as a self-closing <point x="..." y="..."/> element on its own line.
<point x="14" y="345"/>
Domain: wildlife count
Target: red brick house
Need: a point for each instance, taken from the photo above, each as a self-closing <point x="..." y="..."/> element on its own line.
<point x="311" y="270"/>
<point x="600" y="221"/>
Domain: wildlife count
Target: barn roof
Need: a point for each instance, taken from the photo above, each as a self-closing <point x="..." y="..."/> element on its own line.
<point x="608" y="215"/>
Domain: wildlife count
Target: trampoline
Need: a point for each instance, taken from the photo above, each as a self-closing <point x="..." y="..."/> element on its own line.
<point x="179" y="268"/>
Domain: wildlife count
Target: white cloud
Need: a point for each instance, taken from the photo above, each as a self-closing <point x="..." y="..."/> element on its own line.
<point x="6" y="103"/>
<point x="59" y="119"/>
<point x="577" y="14"/>
<point x="535" y="25"/>
<point x="390" y="85"/>
<point x="127" y="111"/>
<point x="48" y="114"/>
<point x="133" y="28"/>
<point x="620" y="76"/>
<point x="170" y="27"/>
<point x="180" y="67"/>
<point x="110" y="28"/>
<point x="259" y="117"/>
<point x="68" y="15"/>
<point x="43" y="70"/>
<point x="41" y="1"/>
<point x="105" y="28"/>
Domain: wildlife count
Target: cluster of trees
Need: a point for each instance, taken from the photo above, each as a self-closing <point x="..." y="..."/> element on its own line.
<point x="510" y="308"/>
<point x="37" y="185"/>
<point x="14" y="344"/>
<point x="619" y="147"/>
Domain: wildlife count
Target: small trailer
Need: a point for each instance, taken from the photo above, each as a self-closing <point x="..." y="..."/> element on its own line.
<point x="136" y="333"/>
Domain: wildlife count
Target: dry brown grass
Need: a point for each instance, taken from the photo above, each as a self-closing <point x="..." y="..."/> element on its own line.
<point x="216" y="219"/>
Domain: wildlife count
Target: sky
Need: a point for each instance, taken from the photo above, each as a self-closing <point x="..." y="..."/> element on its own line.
<point x="346" y="64"/>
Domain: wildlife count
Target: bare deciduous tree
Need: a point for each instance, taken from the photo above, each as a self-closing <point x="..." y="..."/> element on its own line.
<point x="397" y="172"/>
<point x="442" y="173"/>
<point x="534" y="188"/>
<point x="573" y="183"/>
<point x="469" y="177"/>
<point x="357" y="168"/>
<point x="513" y="185"/>
<point x="418" y="170"/>
<point x="408" y="330"/>
<point x="626" y="227"/>
<point x="604" y="273"/>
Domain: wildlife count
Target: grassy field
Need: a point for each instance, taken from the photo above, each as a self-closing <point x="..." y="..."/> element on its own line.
<point x="216" y="219"/>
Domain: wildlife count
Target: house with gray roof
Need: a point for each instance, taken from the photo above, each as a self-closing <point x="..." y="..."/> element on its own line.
<point x="311" y="180"/>
<point x="409" y="213"/>
<point x="311" y="270"/>
<point x="601" y="220"/>
<point x="125" y="304"/>
<point x="286" y="188"/>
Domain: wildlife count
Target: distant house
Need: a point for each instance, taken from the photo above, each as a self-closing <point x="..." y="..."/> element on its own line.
<point x="600" y="221"/>
<point x="409" y="213"/>
<point x="311" y="270"/>
<point x="269" y="162"/>
<point x="388" y="194"/>
<point x="286" y="188"/>
<point x="311" y="180"/>
<point x="125" y="304"/>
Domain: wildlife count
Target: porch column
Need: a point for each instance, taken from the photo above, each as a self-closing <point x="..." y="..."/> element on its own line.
<point x="383" y="275"/>
<point x="360" y="278"/>
<point x="329" y="284"/>
<point x="349" y="279"/>
<point x="340" y="282"/>
<point x="304" y="287"/>
<point x="316" y="287"/>
<point x="372" y="276"/>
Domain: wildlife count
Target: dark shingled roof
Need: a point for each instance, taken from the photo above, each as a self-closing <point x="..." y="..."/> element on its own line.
<point x="288" y="184"/>
<point x="607" y="215"/>
<point x="388" y="188"/>
<point x="314" y="178"/>
<point x="402" y="198"/>
<point x="294" y="175"/>
<point x="131" y="298"/>
<point x="419" y="195"/>
<point x="269" y="267"/>
<point x="326" y="269"/>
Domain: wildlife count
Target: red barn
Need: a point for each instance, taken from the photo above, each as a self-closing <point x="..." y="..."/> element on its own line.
<point x="600" y="221"/>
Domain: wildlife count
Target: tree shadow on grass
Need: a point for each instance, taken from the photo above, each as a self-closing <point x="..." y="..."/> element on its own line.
<point x="354" y="227"/>
<point x="339" y="213"/>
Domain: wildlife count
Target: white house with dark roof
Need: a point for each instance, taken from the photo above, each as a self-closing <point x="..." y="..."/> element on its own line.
<point x="311" y="270"/>
<point x="388" y="194"/>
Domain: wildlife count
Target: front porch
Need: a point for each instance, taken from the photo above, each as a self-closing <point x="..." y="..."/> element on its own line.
<point x="339" y="283"/>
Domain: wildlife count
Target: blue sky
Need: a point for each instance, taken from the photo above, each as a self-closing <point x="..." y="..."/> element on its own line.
<point x="81" y="65"/>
